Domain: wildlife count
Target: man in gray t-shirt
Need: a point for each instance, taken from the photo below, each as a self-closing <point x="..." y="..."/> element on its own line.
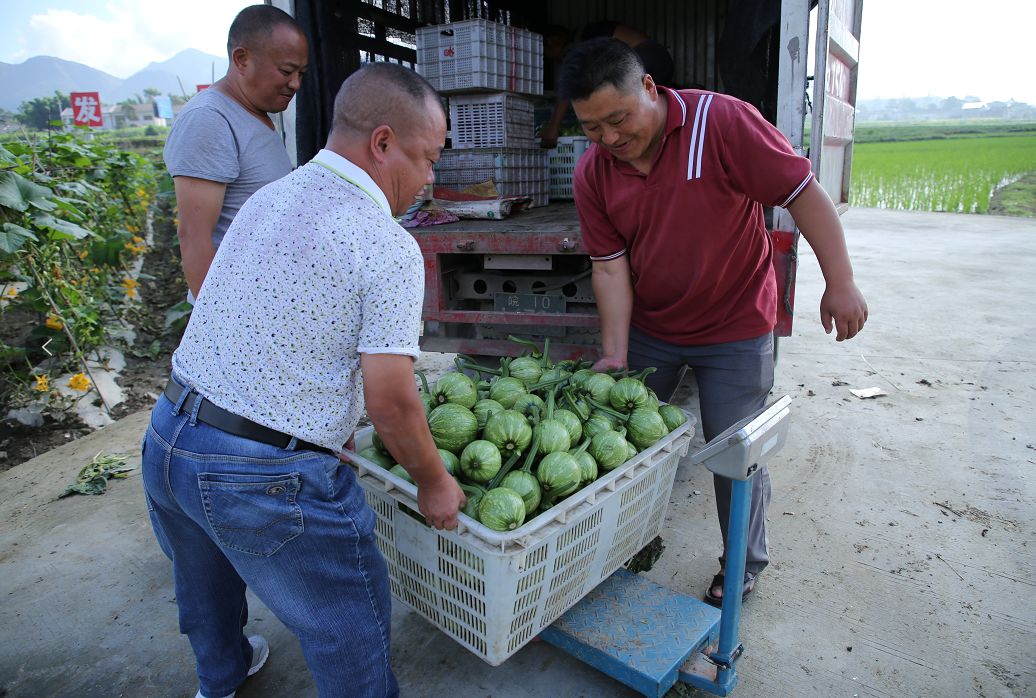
<point x="223" y="146"/>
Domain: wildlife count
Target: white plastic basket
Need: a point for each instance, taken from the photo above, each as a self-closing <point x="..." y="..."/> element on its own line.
<point x="492" y="121"/>
<point x="515" y="171"/>
<point x="562" y="165"/>
<point x="479" y="54"/>
<point x="493" y="592"/>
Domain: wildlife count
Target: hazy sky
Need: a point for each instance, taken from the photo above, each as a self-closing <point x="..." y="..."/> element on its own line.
<point x="908" y="47"/>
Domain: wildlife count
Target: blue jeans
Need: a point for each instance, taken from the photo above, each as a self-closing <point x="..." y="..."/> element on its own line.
<point x="292" y="525"/>
<point x="734" y="380"/>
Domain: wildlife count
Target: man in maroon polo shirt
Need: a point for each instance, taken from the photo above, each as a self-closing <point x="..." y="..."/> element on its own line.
<point x="670" y="201"/>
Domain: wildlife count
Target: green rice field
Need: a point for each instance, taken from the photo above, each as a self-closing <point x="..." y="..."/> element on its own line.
<point x="938" y="167"/>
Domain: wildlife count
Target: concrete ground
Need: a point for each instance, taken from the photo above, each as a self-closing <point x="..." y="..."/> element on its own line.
<point x="902" y="527"/>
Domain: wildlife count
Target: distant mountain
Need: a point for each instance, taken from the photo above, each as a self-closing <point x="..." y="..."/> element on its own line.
<point x="191" y="66"/>
<point x="40" y="76"/>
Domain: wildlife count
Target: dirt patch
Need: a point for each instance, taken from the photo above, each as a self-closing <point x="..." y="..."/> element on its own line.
<point x="1017" y="199"/>
<point x="147" y="360"/>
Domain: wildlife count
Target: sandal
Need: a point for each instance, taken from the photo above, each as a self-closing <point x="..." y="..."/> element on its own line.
<point x="718" y="580"/>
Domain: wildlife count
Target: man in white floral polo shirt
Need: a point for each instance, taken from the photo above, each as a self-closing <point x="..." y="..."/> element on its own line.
<point x="311" y="312"/>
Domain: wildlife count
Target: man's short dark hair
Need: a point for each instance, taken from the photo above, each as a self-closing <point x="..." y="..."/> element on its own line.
<point x="255" y="24"/>
<point x="382" y="93"/>
<point x="592" y="64"/>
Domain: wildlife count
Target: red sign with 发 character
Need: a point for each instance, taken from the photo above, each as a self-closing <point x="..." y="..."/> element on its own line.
<point x="86" y="109"/>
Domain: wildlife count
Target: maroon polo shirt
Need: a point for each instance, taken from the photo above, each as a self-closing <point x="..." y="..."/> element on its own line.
<point x="693" y="227"/>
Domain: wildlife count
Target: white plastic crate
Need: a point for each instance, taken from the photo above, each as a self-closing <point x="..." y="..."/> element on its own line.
<point x="492" y="121"/>
<point x="515" y="171"/>
<point x="562" y="164"/>
<point x="479" y="54"/>
<point x="493" y="592"/>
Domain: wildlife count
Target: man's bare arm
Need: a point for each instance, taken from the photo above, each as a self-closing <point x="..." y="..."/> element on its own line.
<point x="613" y="290"/>
<point x="198" y="202"/>
<point x="397" y="413"/>
<point x="842" y="305"/>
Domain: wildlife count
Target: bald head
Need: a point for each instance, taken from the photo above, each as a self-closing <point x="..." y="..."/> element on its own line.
<point x="254" y="27"/>
<point x="383" y="94"/>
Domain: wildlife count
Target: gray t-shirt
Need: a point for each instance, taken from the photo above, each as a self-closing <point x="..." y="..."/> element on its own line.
<point x="217" y="139"/>
<point x="315" y="273"/>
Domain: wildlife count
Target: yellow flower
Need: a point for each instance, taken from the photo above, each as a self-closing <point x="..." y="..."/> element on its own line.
<point x="54" y="322"/>
<point x="79" y="382"/>
<point x="130" y="287"/>
<point x="141" y="192"/>
<point x="95" y="270"/>
<point x="133" y="228"/>
<point x="10" y="293"/>
<point x="42" y="384"/>
<point x="176" y="222"/>
<point x="83" y="254"/>
<point x="137" y="239"/>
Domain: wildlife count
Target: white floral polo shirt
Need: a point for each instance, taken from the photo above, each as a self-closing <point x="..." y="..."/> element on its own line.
<point x="313" y="272"/>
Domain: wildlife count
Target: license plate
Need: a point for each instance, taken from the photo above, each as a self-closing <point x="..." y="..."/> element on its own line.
<point x="528" y="303"/>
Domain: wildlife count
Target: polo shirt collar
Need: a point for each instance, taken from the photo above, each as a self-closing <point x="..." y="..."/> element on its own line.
<point x="677" y="116"/>
<point x="354" y="175"/>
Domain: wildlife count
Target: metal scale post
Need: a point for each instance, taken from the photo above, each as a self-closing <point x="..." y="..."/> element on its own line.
<point x="649" y="637"/>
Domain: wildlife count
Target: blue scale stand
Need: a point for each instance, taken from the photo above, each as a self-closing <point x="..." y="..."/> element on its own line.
<point x="649" y="637"/>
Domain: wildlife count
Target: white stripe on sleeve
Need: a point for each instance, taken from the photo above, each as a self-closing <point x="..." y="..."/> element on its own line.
<point x="798" y="190"/>
<point x="606" y="258"/>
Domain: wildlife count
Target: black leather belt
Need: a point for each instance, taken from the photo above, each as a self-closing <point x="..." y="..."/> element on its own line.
<point x="233" y="424"/>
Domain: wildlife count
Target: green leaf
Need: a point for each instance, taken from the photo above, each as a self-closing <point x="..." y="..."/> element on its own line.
<point x="18" y="193"/>
<point x="175" y="317"/>
<point x="65" y="228"/>
<point x="7" y="157"/>
<point x="13" y="236"/>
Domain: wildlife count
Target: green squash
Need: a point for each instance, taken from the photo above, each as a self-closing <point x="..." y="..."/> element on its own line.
<point x="672" y="416"/>
<point x="501" y="509"/>
<point x="572" y="424"/>
<point x="506" y="391"/>
<point x="484" y="409"/>
<point x="559" y="475"/>
<point x="449" y="461"/>
<point x="400" y="471"/>
<point x="480" y="461"/>
<point x="457" y="389"/>
<point x="532" y="406"/>
<point x="598" y="387"/>
<point x="644" y="427"/>
<point x="508" y="431"/>
<point x="609" y="449"/>
<point x="453" y="427"/>
<point x="526" y="369"/>
<point x="628" y="394"/>
<point x="377" y="457"/>
<point x="527" y="487"/>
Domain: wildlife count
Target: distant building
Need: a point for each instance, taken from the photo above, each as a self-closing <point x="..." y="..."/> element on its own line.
<point x="125" y="116"/>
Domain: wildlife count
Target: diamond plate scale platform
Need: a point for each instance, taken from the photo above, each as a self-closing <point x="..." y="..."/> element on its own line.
<point x="636" y="631"/>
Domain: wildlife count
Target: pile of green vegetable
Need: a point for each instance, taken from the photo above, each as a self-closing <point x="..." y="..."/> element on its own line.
<point x="525" y="435"/>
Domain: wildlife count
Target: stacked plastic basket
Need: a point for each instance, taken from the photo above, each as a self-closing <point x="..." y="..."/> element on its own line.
<point x="485" y="68"/>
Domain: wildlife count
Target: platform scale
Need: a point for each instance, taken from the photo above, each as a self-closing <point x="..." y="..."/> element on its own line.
<point x="649" y="637"/>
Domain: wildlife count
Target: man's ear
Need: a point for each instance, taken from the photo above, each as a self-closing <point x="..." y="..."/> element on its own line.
<point x="239" y="57"/>
<point x="382" y="138"/>
<point x="649" y="85"/>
